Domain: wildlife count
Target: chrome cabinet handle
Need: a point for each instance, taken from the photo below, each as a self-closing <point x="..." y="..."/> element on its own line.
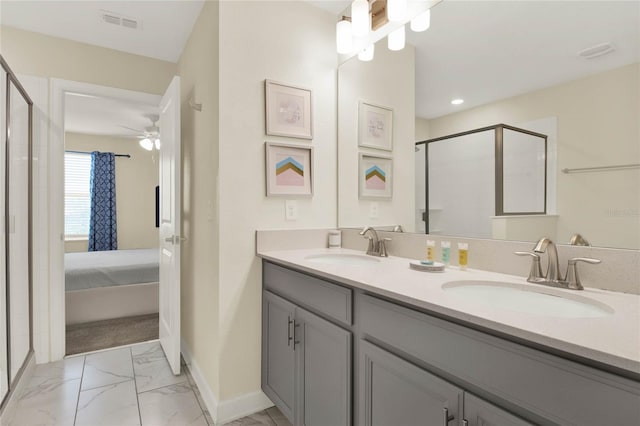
<point x="446" y="418"/>
<point x="295" y="342"/>
<point x="289" y="338"/>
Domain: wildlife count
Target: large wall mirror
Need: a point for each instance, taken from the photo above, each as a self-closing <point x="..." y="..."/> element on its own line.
<point x="566" y="73"/>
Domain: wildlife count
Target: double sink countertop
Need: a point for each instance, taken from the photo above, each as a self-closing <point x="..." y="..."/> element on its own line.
<point x="612" y="339"/>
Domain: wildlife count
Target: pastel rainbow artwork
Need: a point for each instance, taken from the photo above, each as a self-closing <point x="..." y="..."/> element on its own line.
<point x="289" y="172"/>
<point x="375" y="178"/>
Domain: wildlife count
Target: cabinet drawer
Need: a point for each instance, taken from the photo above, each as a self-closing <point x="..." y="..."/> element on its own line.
<point x="329" y="299"/>
<point x="547" y="386"/>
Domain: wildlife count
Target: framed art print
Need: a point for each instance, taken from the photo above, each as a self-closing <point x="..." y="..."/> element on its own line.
<point x="289" y="169"/>
<point x="375" y="126"/>
<point x="288" y="110"/>
<point x="375" y="176"/>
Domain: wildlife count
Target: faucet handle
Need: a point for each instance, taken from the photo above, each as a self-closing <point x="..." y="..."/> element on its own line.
<point x="383" y="247"/>
<point x="573" y="279"/>
<point x="535" y="273"/>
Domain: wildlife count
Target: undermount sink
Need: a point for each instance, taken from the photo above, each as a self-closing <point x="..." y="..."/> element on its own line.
<point x="342" y="259"/>
<point x="521" y="298"/>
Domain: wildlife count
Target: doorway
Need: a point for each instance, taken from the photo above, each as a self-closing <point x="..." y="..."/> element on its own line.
<point x="167" y="159"/>
<point x="111" y="259"/>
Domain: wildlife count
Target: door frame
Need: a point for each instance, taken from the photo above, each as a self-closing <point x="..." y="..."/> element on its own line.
<point x="56" y="297"/>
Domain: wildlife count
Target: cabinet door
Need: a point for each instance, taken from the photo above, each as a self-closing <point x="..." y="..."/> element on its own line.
<point x="395" y="392"/>
<point x="278" y="355"/>
<point x="478" y="412"/>
<point x="324" y="372"/>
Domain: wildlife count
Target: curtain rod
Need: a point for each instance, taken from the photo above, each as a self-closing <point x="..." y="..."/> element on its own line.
<point x="86" y="152"/>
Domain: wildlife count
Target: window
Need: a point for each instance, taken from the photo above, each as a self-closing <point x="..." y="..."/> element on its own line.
<point x="77" y="202"/>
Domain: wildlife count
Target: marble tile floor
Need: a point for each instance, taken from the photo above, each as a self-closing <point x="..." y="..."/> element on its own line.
<point x="130" y="385"/>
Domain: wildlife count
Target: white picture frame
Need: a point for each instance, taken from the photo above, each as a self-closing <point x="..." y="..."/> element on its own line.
<point x="375" y="126"/>
<point x="375" y="176"/>
<point x="288" y="170"/>
<point x="288" y="110"/>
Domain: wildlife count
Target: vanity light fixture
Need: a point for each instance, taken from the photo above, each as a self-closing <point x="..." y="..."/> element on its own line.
<point x="396" y="39"/>
<point x="344" y="38"/>
<point x="396" y="10"/>
<point x="360" y="18"/>
<point x="366" y="54"/>
<point x="421" y="22"/>
<point x="457" y="101"/>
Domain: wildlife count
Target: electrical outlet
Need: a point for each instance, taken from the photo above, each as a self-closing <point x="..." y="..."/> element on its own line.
<point x="373" y="210"/>
<point x="291" y="210"/>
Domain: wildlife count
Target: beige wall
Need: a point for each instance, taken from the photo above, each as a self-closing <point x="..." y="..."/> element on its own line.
<point x="597" y="125"/>
<point x="290" y="42"/>
<point x="387" y="81"/>
<point x="136" y="179"/>
<point x="198" y="70"/>
<point x="44" y="56"/>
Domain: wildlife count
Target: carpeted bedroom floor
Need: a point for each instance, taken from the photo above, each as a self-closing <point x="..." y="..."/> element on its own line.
<point x="93" y="336"/>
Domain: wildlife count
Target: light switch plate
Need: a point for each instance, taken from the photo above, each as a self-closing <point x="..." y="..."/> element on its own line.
<point x="291" y="210"/>
<point x="373" y="210"/>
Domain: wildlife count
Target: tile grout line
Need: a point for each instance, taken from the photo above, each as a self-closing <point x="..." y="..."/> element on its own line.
<point x="75" y="415"/>
<point x="192" y="383"/>
<point x="135" y="384"/>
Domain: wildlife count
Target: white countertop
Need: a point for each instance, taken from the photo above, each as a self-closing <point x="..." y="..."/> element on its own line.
<point x="613" y="339"/>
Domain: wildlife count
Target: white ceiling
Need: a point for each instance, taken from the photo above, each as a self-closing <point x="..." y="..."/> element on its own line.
<point x="483" y="51"/>
<point x="104" y="116"/>
<point x="166" y="25"/>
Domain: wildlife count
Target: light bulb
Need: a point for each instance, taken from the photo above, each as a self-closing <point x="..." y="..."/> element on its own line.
<point x="396" y="10"/>
<point x="146" y="144"/>
<point x="156" y="143"/>
<point x="360" y="20"/>
<point x="421" y="22"/>
<point x="395" y="41"/>
<point x="367" y="53"/>
<point x="344" y="38"/>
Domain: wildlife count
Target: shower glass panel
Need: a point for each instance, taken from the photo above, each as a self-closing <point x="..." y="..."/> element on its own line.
<point x="18" y="252"/>
<point x="524" y="166"/>
<point x="461" y="182"/>
<point x="4" y="366"/>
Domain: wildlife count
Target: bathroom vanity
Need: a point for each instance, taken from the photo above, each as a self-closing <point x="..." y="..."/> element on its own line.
<point x="375" y="343"/>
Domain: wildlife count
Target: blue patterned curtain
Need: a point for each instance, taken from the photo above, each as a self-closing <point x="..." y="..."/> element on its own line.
<point x="102" y="222"/>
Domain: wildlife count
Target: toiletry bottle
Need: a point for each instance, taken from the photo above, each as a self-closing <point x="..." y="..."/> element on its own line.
<point x="445" y="247"/>
<point x="431" y="250"/>
<point x="335" y="239"/>
<point x="463" y="255"/>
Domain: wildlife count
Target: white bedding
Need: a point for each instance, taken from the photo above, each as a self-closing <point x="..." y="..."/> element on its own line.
<point x="110" y="268"/>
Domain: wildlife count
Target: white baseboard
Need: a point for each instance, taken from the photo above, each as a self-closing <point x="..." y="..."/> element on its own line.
<point x="12" y="403"/>
<point x="241" y="406"/>
<point x="225" y="411"/>
<point x="208" y="398"/>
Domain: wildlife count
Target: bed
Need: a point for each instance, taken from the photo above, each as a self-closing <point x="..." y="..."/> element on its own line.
<point x="110" y="284"/>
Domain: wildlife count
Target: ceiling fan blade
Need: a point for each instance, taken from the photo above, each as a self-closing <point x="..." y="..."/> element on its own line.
<point x="133" y="130"/>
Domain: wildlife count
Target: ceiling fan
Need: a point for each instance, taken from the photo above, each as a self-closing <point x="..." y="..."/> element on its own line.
<point x="150" y="136"/>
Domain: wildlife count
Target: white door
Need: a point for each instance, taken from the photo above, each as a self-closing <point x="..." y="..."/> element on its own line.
<point x="170" y="224"/>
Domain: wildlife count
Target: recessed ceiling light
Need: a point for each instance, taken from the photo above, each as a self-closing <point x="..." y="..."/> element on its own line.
<point x="457" y="101"/>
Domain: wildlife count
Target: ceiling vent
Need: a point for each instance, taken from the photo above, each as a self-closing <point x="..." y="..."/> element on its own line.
<point x="596" y="51"/>
<point x="119" y="20"/>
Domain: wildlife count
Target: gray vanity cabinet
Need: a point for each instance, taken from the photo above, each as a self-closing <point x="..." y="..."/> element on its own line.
<point x="395" y="392"/>
<point x="306" y="364"/>
<point x="324" y="367"/>
<point x="478" y="412"/>
<point x="278" y="355"/>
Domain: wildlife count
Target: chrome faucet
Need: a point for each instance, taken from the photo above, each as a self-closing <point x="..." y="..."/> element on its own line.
<point x="548" y="246"/>
<point x="376" y="247"/>
<point x="553" y="277"/>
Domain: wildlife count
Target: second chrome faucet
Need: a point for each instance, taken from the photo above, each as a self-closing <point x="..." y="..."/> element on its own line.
<point x="553" y="276"/>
